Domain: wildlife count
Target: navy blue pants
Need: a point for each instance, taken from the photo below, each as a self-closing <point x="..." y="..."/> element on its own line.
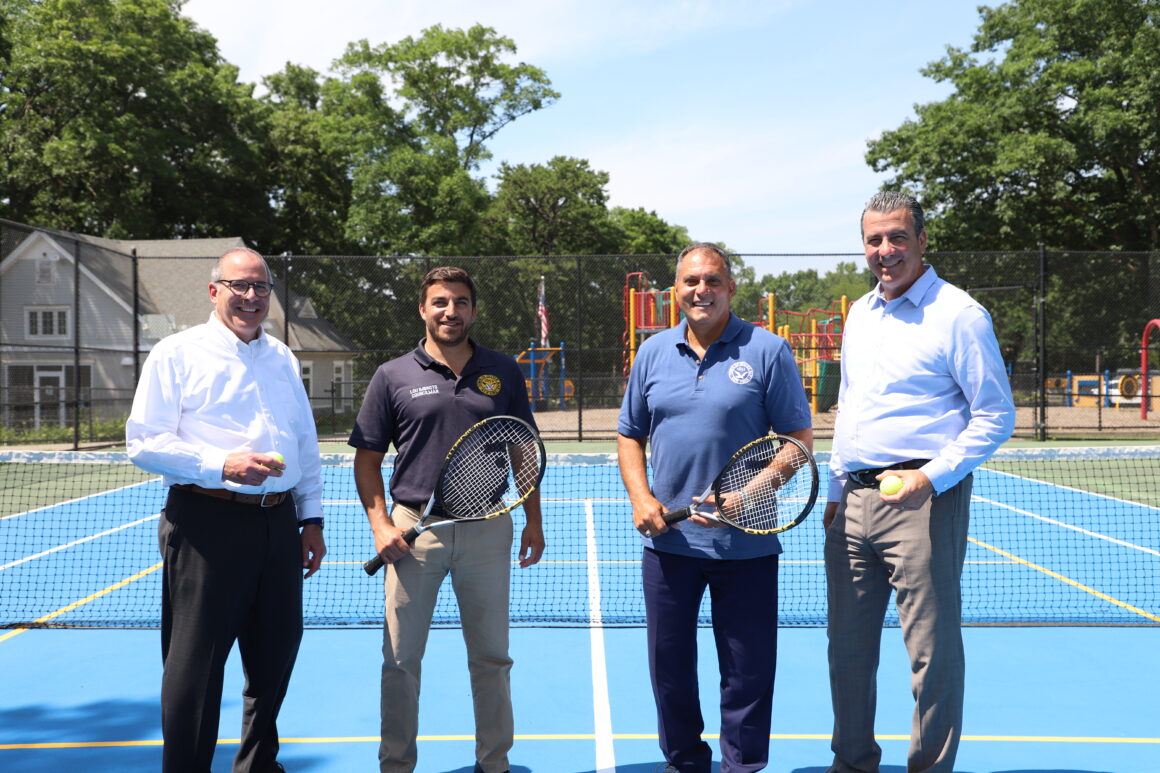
<point x="743" y="597"/>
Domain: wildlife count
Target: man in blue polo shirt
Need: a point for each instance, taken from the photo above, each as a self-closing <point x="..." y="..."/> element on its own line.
<point x="697" y="393"/>
<point x="422" y="402"/>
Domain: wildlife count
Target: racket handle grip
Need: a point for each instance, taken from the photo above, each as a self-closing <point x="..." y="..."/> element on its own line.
<point x="672" y="516"/>
<point x="411" y="534"/>
<point x="374" y="565"/>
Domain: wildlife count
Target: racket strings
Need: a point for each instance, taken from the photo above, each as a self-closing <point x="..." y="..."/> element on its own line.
<point x="490" y="470"/>
<point x="762" y="489"/>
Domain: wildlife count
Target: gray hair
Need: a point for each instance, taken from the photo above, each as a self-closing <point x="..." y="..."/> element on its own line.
<point x="710" y="247"/>
<point x="215" y="273"/>
<point x="888" y="201"/>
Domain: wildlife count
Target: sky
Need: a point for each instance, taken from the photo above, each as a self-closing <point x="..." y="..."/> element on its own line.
<point x="745" y="121"/>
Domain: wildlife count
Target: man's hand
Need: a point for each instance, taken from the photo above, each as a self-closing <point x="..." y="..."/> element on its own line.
<point x="313" y="548"/>
<point x="389" y="542"/>
<point x="648" y="516"/>
<point x="704" y="520"/>
<point x="916" y="489"/>
<point x="250" y="468"/>
<point x="531" y="545"/>
<point x="828" y="515"/>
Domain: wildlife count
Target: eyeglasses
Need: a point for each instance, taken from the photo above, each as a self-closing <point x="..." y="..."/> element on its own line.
<point x="241" y="287"/>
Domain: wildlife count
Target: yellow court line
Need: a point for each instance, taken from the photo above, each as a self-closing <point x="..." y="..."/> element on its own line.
<point x="1069" y="581"/>
<point x="85" y="600"/>
<point x="592" y="737"/>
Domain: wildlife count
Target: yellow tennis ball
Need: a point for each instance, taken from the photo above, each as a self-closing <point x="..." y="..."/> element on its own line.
<point x="280" y="459"/>
<point x="891" y="484"/>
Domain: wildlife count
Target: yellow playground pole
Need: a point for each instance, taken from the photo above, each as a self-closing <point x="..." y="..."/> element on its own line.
<point x="674" y="312"/>
<point x="813" y="367"/>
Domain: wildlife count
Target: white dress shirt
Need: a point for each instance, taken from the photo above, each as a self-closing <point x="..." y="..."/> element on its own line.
<point x="204" y="394"/>
<point x="922" y="378"/>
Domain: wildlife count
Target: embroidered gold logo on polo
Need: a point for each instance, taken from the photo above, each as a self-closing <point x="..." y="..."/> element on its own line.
<point x="488" y="384"/>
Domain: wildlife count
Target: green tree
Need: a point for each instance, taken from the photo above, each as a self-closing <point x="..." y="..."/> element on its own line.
<point x="119" y="118"/>
<point x="413" y="189"/>
<point x="558" y="208"/>
<point x="803" y="290"/>
<point x="1051" y="136"/>
<point x="454" y="84"/>
<point x="309" y="166"/>
<point x="643" y="232"/>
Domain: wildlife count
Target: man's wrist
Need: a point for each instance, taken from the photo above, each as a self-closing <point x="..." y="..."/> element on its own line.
<point x="319" y="522"/>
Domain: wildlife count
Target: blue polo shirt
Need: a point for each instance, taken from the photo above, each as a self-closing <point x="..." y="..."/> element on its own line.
<point x="697" y="413"/>
<point x="418" y="404"/>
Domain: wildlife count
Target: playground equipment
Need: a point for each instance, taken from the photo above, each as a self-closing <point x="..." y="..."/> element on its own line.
<point x="542" y="385"/>
<point x="1104" y="389"/>
<point x="646" y="311"/>
<point x="1145" y="392"/>
<point x="815" y="335"/>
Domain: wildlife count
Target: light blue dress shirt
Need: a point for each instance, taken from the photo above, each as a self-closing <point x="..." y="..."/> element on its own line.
<point x="922" y="378"/>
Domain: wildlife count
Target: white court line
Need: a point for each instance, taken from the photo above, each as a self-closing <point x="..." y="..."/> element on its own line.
<point x="1062" y="487"/>
<point x="1054" y="522"/>
<point x="80" y="541"/>
<point x="78" y="499"/>
<point x="601" y="707"/>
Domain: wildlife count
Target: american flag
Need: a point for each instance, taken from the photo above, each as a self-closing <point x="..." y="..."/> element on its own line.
<point x="542" y="314"/>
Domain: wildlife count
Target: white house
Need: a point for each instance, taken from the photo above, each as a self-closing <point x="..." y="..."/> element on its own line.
<point x="67" y="308"/>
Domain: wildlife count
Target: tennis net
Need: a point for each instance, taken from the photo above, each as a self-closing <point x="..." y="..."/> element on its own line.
<point x="1058" y="536"/>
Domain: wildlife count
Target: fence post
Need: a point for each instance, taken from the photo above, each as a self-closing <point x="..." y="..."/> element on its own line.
<point x="76" y="385"/>
<point x="579" y="395"/>
<point x="1041" y="347"/>
<point x="136" y="317"/>
<point x="286" y="299"/>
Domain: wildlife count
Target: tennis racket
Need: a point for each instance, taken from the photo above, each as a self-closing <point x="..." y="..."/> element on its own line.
<point x="491" y="469"/>
<point x="768" y="486"/>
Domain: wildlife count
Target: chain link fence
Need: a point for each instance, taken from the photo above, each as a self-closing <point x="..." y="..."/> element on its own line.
<point x="79" y="314"/>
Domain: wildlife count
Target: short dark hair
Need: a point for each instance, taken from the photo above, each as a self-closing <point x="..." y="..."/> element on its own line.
<point x="888" y="201"/>
<point x="447" y="274"/>
<point x="709" y="247"/>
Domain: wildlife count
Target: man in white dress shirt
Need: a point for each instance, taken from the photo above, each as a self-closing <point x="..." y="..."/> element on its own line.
<point x="221" y="414"/>
<point x="924" y="396"/>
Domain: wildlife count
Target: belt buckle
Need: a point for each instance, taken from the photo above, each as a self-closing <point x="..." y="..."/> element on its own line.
<point x="262" y="500"/>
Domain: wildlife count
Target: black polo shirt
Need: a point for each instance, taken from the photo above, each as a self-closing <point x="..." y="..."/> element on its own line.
<point x="417" y="404"/>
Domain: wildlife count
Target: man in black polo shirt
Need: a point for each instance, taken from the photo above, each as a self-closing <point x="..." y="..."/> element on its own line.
<point x="422" y="402"/>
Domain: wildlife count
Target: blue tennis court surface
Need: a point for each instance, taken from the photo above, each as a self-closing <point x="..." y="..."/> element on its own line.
<point x="1039" y="700"/>
<point x="1053" y="541"/>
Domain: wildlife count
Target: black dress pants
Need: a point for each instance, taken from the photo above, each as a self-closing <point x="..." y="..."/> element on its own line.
<point x="232" y="572"/>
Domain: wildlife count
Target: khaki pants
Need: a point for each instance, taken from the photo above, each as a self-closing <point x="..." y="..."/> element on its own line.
<point x="478" y="557"/>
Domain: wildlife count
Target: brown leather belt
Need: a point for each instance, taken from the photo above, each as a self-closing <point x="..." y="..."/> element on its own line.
<point x="261" y="500"/>
<point x="866" y="478"/>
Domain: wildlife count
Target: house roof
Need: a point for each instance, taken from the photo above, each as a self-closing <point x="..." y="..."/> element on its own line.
<point x="173" y="275"/>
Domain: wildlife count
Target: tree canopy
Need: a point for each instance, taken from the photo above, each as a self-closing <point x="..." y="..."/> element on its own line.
<point x="120" y="119"/>
<point x="1051" y="135"/>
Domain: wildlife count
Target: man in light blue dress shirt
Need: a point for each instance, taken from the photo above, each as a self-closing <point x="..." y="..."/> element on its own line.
<point x="924" y="396"/>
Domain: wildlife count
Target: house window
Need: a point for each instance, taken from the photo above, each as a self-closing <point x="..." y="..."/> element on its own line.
<point x="307" y="367"/>
<point x="47" y="321"/>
